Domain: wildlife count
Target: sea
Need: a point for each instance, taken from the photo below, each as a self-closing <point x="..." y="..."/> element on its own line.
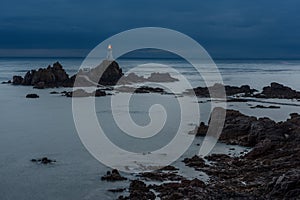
<point x="44" y="127"/>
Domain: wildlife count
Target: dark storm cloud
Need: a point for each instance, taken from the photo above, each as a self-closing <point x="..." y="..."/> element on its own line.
<point x="226" y="28"/>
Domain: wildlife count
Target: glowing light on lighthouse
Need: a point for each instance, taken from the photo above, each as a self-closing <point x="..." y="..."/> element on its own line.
<point x="109" y="53"/>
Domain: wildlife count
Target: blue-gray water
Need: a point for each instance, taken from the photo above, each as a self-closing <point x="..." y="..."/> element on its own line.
<point x="32" y="128"/>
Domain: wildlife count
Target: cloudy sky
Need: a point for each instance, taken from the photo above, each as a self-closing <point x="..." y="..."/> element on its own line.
<point x="226" y="28"/>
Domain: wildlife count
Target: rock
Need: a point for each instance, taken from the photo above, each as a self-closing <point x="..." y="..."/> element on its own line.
<point x="142" y="89"/>
<point x="280" y="91"/>
<point x="56" y="76"/>
<point x="99" y="93"/>
<point x="201" y="130"/>
<point x="54" y="92"/>
<point x="264" y="107"/>
<point x="112" y="176"/>
<point x="139" y="191"/>
<point x="39" y="85"/>
<point x="83" y="93"/>
<point x="160" y="176"/>
<point x="154" y="77"/>
<point x="195" y="162"/>
<point x="32" y="96"/>
<point x="43" y="160"/>
<point x="17" y="80"/>
<point x="6" y="82"/>
<point x="106" y="73"/>
<point x="161" y="77"/>
<point x="146" y="89"/>
<point x="169" y="168"/>
<point x="217" y="89"/>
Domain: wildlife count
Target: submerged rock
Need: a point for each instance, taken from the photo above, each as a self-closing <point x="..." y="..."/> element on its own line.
<point x="32" y="96"/>
<point x="43" y="160"/>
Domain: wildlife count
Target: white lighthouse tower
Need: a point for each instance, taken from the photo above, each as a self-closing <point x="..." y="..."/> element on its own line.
<point x="109" y="53"/>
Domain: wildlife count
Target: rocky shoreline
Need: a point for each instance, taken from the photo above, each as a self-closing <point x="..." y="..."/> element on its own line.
<point x="271" y="170"/>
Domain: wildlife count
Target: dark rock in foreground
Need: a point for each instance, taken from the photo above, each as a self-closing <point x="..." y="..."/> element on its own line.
<point x="112" y="176"/>
<point x="32" y="96"/>
<point x="269" y="171"/>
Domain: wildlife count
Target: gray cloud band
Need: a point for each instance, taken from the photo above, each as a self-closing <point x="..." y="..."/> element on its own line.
<point x="93" y="135"/>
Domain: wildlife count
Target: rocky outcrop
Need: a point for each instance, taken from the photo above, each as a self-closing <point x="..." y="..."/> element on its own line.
<point x="269" y="171"/>
<point x="217" y="89"/>
<point x="276" y="90"/>
<point x="109" y="71"/>
<point x="56" y="76"/>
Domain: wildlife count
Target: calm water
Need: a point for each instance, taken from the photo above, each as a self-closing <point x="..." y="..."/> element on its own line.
<point x="32" y="128"/>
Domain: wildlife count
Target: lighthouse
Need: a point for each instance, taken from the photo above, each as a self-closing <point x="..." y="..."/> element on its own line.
<point x="109" y="53"/>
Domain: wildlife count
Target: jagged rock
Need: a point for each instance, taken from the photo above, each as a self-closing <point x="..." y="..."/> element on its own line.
<point x="33" y="96"/>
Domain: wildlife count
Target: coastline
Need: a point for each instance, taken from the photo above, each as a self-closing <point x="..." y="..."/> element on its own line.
<point x="38" y="112"/>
